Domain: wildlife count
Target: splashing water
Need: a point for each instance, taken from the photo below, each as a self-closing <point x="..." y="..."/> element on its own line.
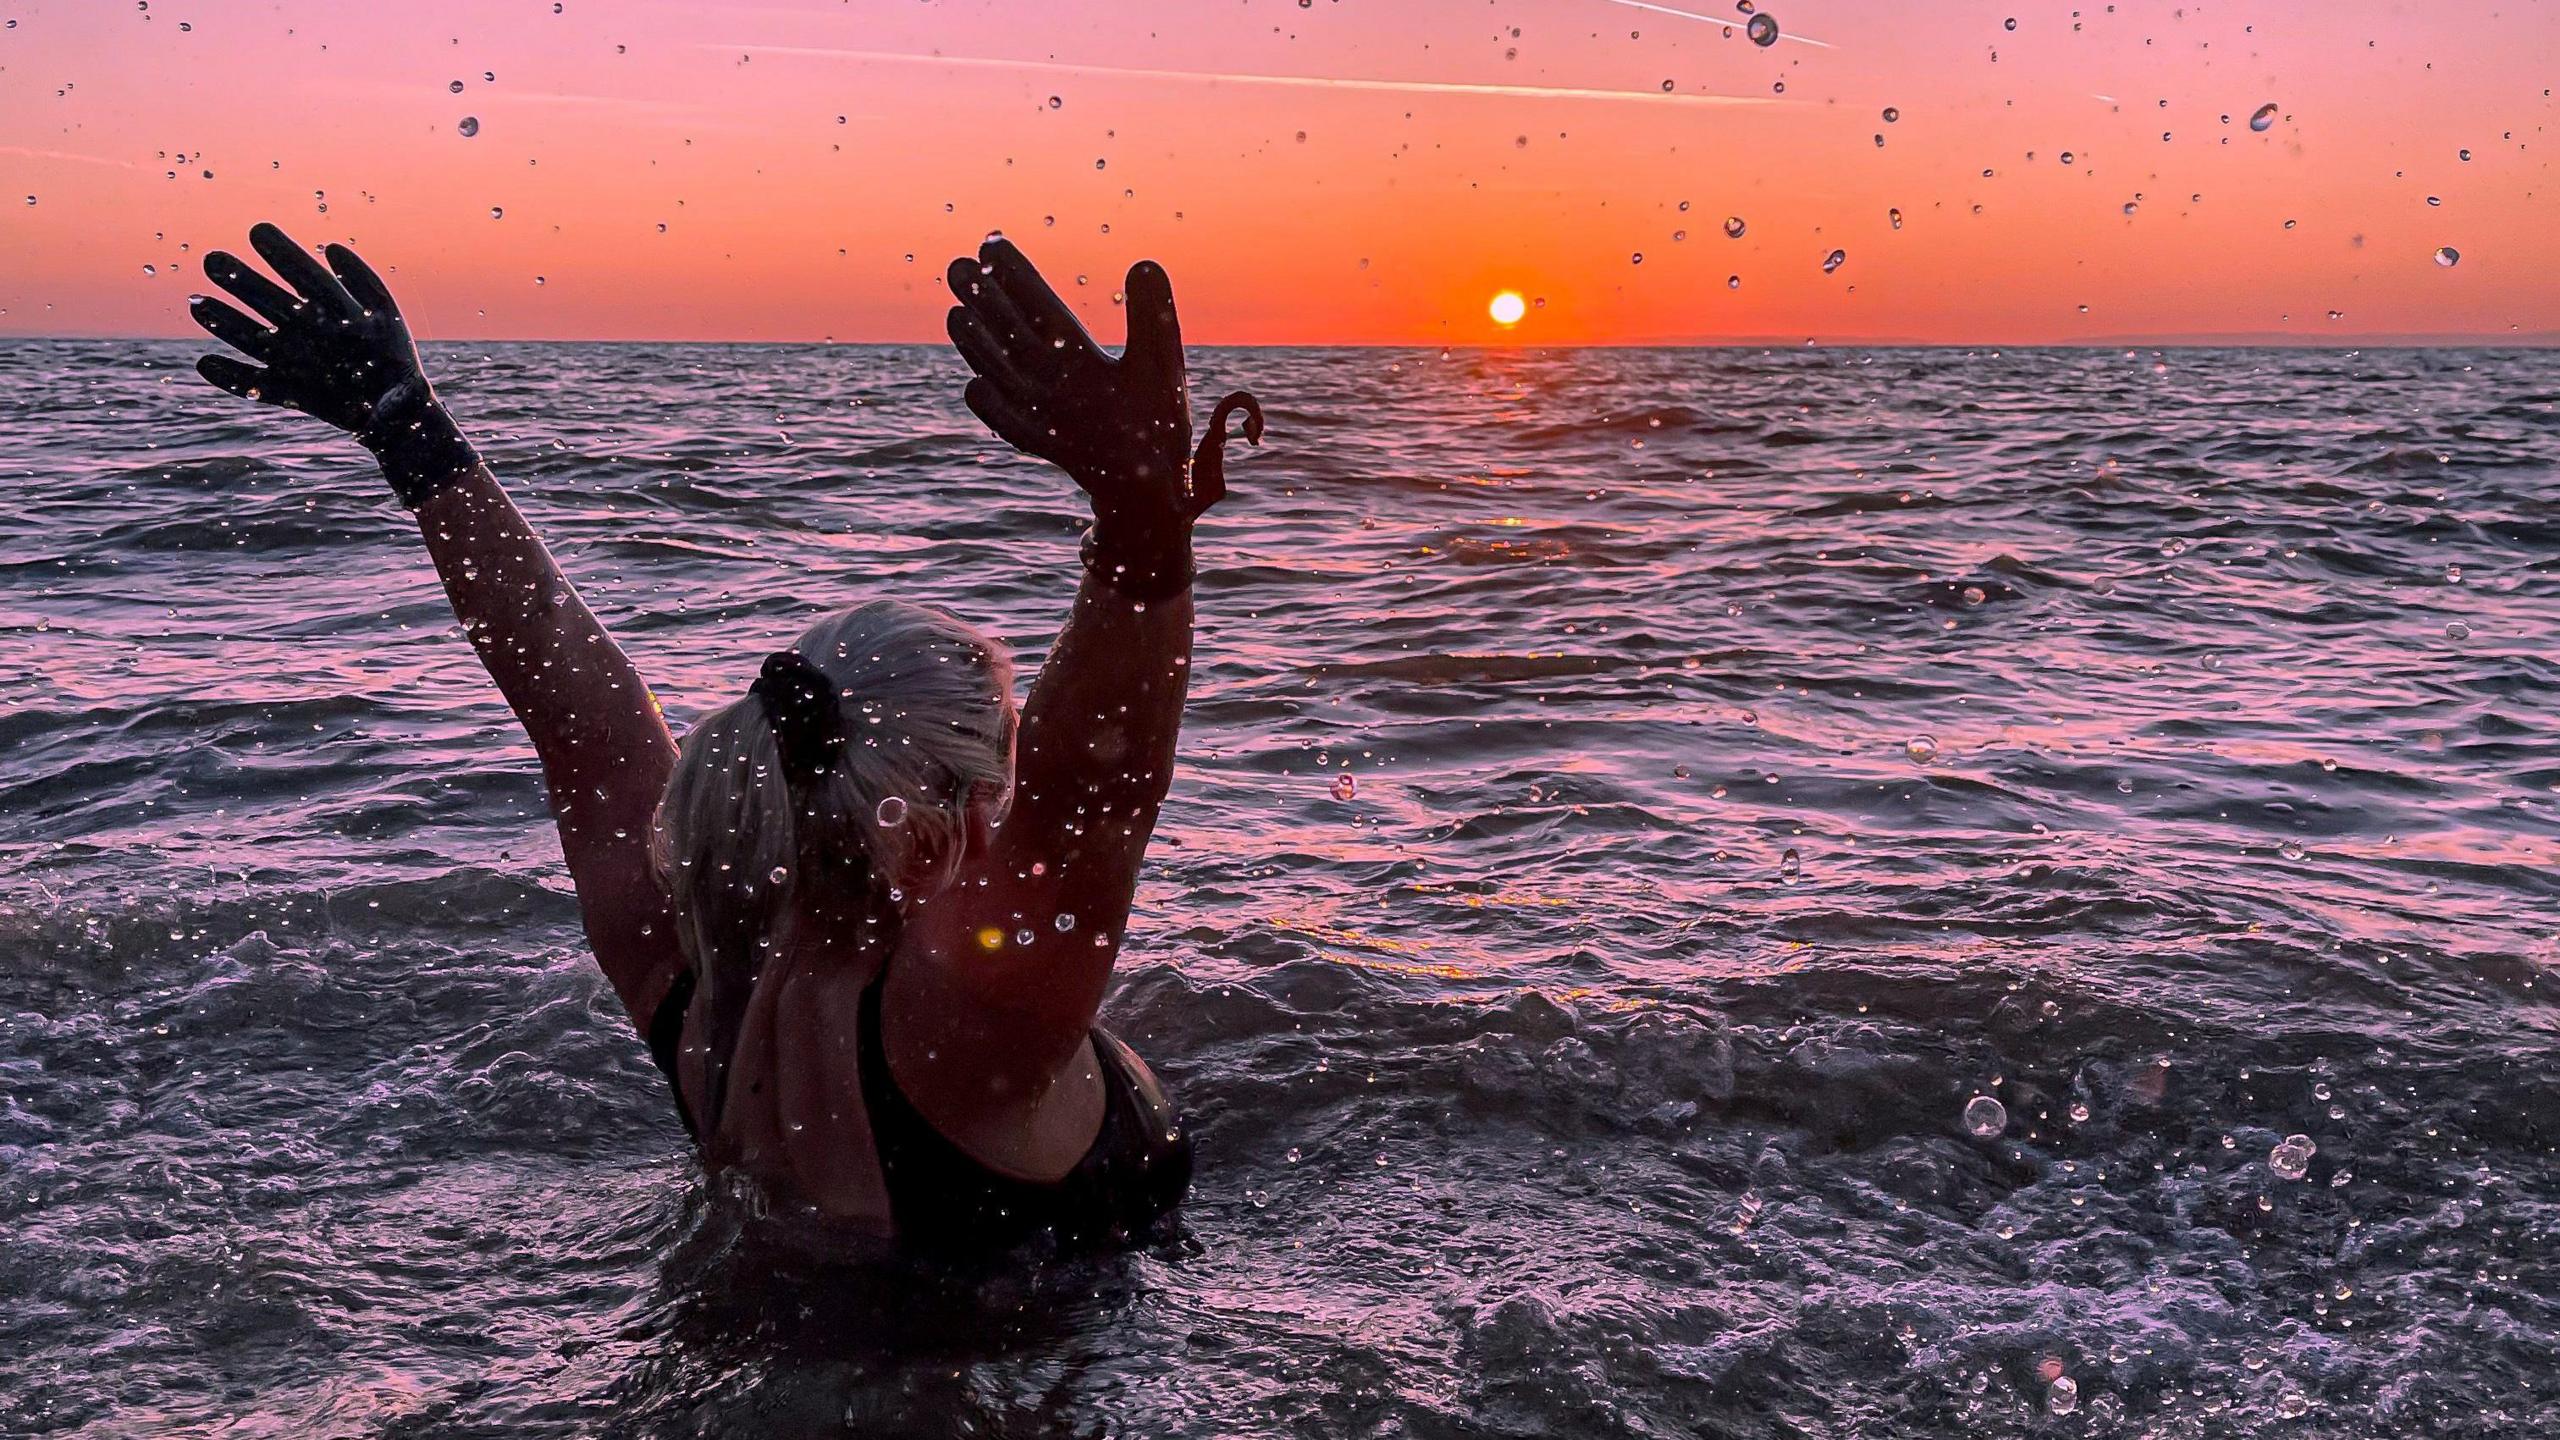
<point x="371" y="1147"/>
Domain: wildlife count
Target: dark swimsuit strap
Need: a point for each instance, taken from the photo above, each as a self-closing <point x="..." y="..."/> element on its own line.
<point x="666" y="1038"/>
<point x="943" y="1198"/>
<point x="906" y="1138"/>
<point x="879" y="1087"/>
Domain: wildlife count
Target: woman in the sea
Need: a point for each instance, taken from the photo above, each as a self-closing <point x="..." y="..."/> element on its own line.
<point x="864" y="915"/>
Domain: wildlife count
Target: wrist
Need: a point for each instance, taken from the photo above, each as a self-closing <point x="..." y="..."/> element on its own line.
<point x="421" y="449"/>
<point x="1146" y="569"/>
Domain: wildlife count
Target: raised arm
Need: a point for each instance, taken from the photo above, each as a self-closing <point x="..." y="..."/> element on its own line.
<point x="1096" y="750"/>
<point x="334" y="346"/>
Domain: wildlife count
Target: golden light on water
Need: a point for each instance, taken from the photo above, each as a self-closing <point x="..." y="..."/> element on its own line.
<point x="1507" y="308"/>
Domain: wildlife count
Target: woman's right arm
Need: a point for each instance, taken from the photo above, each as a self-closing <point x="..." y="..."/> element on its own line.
<point x="339" y="350"/>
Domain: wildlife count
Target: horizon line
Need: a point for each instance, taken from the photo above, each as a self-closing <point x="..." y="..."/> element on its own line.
<point x="2198" y="340"/>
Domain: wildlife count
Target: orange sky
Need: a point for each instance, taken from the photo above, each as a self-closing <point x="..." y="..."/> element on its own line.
<point x="796" y="152"/>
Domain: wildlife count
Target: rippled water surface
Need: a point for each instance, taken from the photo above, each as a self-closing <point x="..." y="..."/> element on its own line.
<point x="1757" y="757"/>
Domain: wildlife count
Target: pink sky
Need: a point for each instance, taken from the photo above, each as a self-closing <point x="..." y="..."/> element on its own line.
<point x="1346" y="170"/>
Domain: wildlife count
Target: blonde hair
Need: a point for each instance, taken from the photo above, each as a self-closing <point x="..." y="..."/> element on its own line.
<point x="925" y="703"/>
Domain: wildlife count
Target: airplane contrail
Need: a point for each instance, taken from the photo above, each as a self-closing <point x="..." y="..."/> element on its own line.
<point x="1302" y="82"/>
<point x="1742" y="20"/>
<point x="27" y="153"/>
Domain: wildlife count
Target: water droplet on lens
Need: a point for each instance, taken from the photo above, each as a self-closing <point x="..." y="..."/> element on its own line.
<point x="1764" y="30"/>
<point x="892" y="812"/>
<point x="497" y="212"/>
<point x="1891" y="114"/>
<point x="1733" y="227"/>
<point x="2265" y="119"/>
<point x="2446" y="256"/>
<point x="1834" y="261"/>
<point x="455" y="87"/>
<point x="2291" y="850"/>
<point x="2291" y="1160"/>
<point x="1921" y="748"/>
<point x="1022" y="936"/>
<point x="778" y="874"/>
<point x="1063" y="923"/>
<point x="1790" y="867"/>
<point x="2063" y="1396"/>
<point x="2457" y="630"/>
<point x="1345" y="787"/>
<point x="469" y="127"/>
<point x="1985" y="1117"/>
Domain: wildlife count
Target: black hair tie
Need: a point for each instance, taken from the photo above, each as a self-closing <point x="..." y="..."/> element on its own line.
<point x="800" y="704"/>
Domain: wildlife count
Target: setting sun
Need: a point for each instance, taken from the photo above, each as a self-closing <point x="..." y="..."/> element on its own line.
<point x="1508" y="307"/>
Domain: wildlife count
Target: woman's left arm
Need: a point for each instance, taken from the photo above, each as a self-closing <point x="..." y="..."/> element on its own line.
<point x="334" y="346"/>
<point x="1009" y="993"/>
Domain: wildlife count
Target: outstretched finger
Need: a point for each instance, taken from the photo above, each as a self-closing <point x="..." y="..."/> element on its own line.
<point x="969" y="336"/>
<point x="300" y="269"/>
<point x="1001" y="323"/>
<point x="1032" y="297"/>
<point x="245" y="381"/>
<point x="1155" y="332"/>
<point x="231" y="327"/>
<point x="1016" y="424"/>
<point x="251" y="288"/>
<point x="365" y="287"/>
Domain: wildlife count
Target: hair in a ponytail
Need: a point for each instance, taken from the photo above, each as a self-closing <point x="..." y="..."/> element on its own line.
<point x="760" y="817"/>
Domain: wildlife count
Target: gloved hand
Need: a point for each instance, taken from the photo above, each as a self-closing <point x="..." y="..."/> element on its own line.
<point x="340" y="351"/>
<point x="1121" y="428"/>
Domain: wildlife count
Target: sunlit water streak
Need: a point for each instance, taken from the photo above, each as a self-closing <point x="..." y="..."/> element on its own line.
<point x="1538" y="1090"/>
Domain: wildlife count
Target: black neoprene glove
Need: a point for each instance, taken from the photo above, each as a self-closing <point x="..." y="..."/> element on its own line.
<point x="1121" y="428"/>
<point x="340" y="351"/>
